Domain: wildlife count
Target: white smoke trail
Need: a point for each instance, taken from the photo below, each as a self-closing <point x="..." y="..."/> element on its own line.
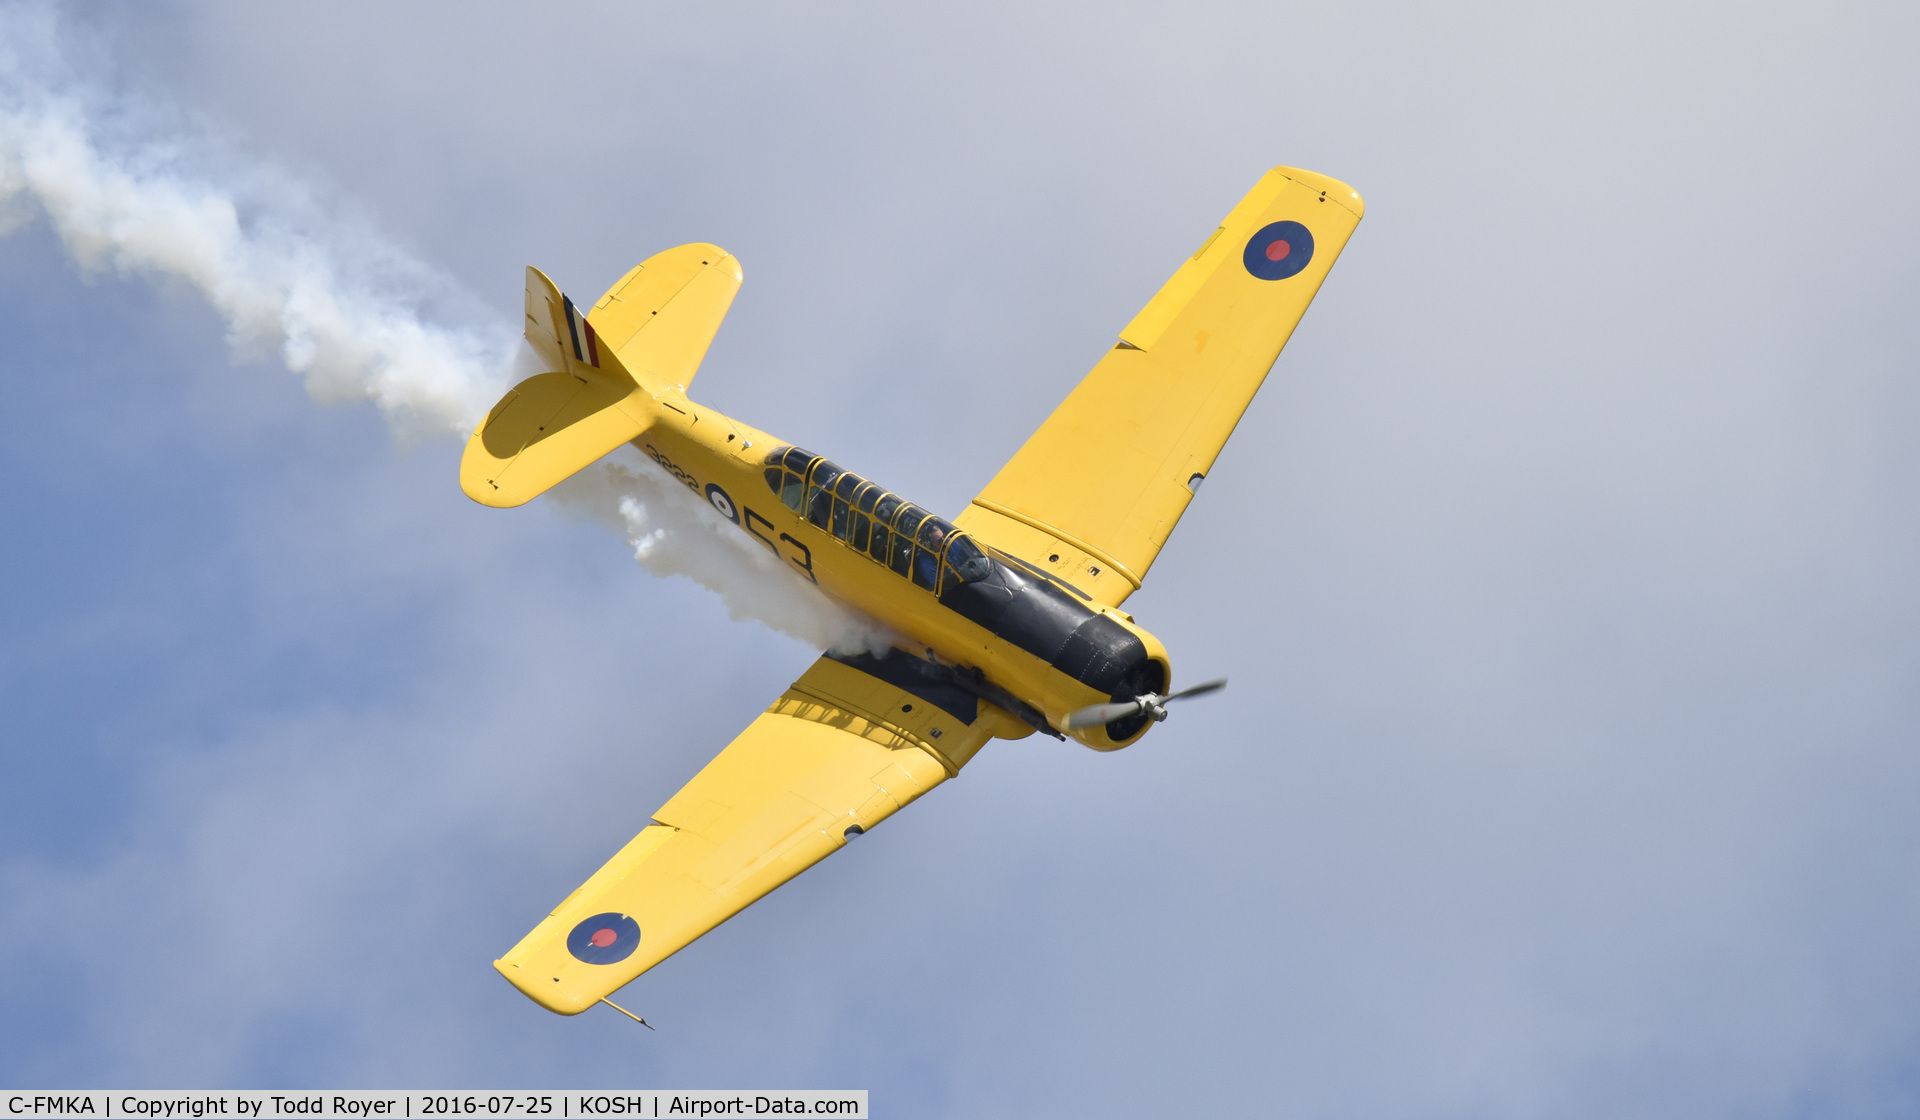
<point x="674" y="533"/>
<point x="130" y="188"/>
<point x="342" y="307"/>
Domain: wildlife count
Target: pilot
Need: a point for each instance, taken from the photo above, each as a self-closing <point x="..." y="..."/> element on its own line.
<point x="926" y="558"/>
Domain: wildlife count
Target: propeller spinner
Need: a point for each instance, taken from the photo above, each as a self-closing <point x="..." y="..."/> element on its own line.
<point x="1153" y="704"/>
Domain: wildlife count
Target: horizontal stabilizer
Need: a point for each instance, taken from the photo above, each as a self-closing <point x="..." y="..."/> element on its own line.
<point x="553" y="424"/>
<point x="661" y="317"/>
<point x="645" y="339"/>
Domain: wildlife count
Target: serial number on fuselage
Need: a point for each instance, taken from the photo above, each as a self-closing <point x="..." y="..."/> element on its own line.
<point x="743" y="516"/>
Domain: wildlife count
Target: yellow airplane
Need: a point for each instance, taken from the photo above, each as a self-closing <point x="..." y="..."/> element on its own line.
<point x="1011" y="609"/>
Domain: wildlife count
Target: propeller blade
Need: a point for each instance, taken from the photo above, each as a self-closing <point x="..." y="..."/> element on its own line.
<point x="1196" y="690"/>
<point x="1107" y="713"/>
<point x="1101" y="714"/>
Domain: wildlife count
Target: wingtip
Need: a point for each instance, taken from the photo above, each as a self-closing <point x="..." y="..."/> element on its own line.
<point x="491" y="498"/>
<point x="1333" y="189"/>
<point x="477" y="469"/>
<point x="558" y="1002"/>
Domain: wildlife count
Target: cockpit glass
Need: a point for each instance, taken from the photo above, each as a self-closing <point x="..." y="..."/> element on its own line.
<point x="926" y="568"/>
<point x="934" y="532"/>
<point x="968" y="562"/>
<point x="929" y="550"/>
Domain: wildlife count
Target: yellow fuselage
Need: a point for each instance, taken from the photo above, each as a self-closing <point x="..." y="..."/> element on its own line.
<point x="1016" y="636"/>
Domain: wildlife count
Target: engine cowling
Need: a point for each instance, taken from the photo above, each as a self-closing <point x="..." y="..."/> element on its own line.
<point x="1142" y="668"/>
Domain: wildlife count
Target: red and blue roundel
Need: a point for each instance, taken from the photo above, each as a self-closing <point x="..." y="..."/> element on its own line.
<point x="1279" y="251"/>
<point x="604" y="939"/>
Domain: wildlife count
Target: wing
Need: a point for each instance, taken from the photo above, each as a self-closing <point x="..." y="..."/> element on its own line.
<point x="850" y="743"/>
<point x="1093" y="495"/>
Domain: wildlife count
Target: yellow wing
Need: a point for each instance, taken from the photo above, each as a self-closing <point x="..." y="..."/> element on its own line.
<point x="851" y="742"/>
<point x="1094" y="493"/>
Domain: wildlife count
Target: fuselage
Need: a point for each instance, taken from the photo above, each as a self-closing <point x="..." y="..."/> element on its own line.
<point x="1023" y="639"/>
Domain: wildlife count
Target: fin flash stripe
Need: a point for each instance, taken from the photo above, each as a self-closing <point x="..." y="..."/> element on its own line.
<point x="578" y="326"/>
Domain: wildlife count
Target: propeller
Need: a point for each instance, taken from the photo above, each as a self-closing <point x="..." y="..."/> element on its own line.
<point x="1153" y="704"/>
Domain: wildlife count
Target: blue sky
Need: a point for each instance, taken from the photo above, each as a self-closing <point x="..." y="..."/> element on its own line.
<point x="1564" y="569"/>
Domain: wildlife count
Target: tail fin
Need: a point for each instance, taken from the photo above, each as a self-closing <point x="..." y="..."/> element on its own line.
<point x="643" y="340"/>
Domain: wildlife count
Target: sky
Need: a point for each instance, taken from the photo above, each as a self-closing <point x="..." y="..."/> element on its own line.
<point x="1564" y="569"/>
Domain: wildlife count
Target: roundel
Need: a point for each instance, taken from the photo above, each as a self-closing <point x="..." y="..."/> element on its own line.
<point x="604" y="939"/>
<point x="722" y="502"/>
<point x="1279" y="251"/>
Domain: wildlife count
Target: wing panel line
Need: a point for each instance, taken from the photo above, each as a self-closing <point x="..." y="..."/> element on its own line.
<point x="1063" y="537"/>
